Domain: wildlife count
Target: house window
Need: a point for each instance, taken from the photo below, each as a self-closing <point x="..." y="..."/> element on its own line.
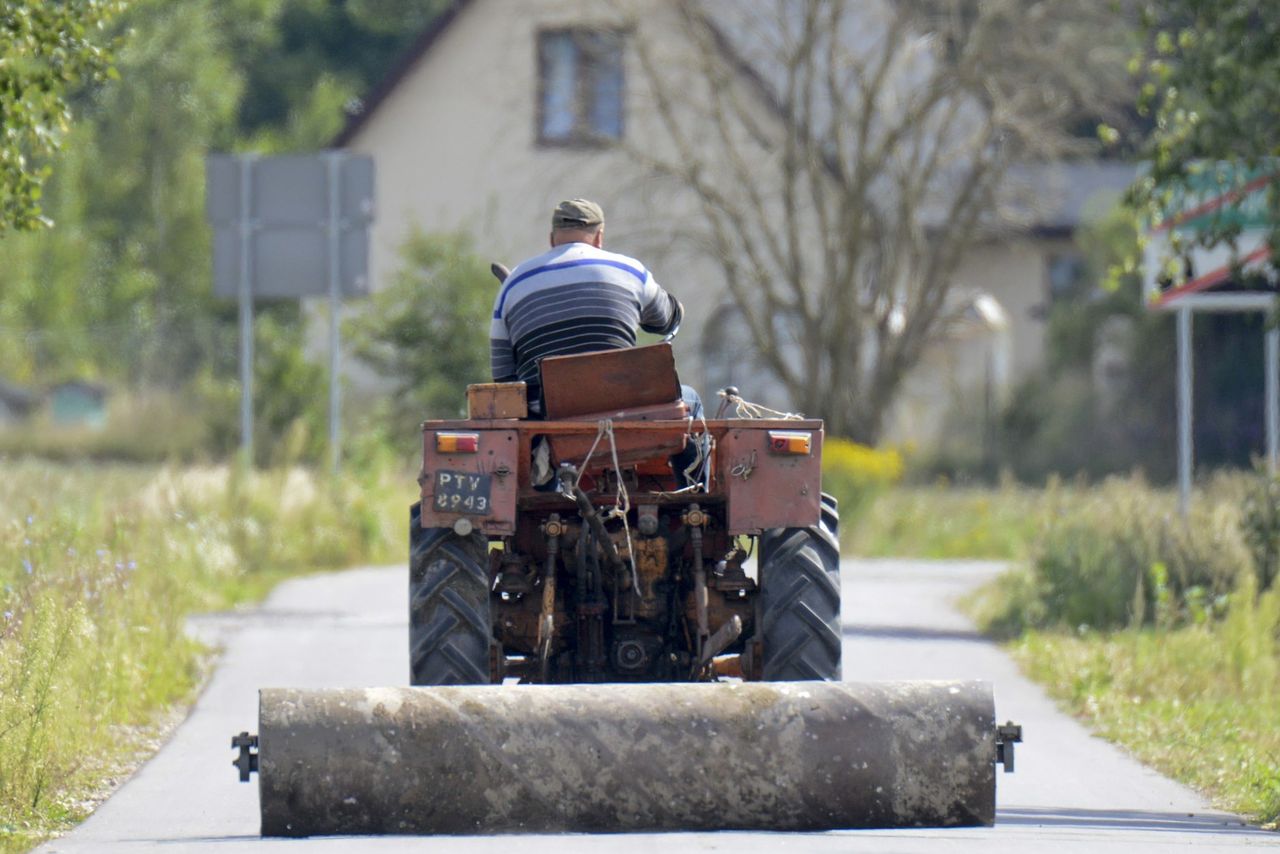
<point x="579" y="87"/>
<point x="1068" y="275"/>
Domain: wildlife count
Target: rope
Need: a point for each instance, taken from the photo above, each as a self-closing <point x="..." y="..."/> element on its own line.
<point x="701" y="456"/>
<point x="747" y="409"/>
<point x="622" y="500"/>
<point x="601" y="427"/>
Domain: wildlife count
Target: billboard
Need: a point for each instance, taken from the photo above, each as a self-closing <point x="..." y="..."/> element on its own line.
<point x="1220" y="197"/>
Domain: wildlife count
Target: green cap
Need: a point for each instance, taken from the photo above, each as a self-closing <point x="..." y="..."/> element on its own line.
<point x="576" y="213"/>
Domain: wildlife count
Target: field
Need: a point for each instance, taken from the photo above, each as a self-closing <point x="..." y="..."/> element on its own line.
<point x="100" y="565"/>
<point x="1152" y="629"/>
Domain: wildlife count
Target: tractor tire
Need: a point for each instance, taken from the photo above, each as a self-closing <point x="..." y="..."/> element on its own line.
<point x="450" y="627"/>
<point x="800" y="600"/>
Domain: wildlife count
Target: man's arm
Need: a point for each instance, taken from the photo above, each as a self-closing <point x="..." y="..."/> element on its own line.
<point x="660" y="312"/>
<point x="502" y="357"/>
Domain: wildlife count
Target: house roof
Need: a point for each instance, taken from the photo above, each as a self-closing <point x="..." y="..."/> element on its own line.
<point x="1071" y="193"/>
<point x="356" y="120"/>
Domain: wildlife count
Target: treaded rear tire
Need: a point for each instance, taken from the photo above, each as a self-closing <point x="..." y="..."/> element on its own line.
<point x="800" y="600"/>
<point x="450" y="626"/>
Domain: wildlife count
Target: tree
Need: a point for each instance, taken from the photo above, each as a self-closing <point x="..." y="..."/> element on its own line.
<point x="47" y="47"/>
<point x="131" y="251"/>
<point x="1212" y="84"/>
<point x="859" y="149"/>
<point x="304" y="60"/>
<point x="429" y="329"/>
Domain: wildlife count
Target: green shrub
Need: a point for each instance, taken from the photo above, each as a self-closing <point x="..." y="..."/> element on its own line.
<point x="1122" y="555"/>
<point x="428" y="332"/>
<point x="855" y="474"/>
<point x="1260" y="522"/>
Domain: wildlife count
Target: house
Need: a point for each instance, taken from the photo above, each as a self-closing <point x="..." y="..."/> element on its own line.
<point x="481" y="128"/>
<point x="502" y="109"/>
<point x="1011" y="283"/>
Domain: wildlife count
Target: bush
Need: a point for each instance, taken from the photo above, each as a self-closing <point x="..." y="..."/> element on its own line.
<point x="1260" y="522"/>
<point x="1122" y="555"/>
<point x="855" y="474"/>
<point x="428" y="332"/>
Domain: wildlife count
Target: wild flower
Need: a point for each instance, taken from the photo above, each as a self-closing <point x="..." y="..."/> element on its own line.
<point x="27" y="566"/>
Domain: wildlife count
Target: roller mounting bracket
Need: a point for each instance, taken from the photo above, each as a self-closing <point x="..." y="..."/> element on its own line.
<point x="1007" y="735"/>
<point x="247" y="761"/>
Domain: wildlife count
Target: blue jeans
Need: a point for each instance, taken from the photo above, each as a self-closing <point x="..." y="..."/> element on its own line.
<point x="681" y="461"/>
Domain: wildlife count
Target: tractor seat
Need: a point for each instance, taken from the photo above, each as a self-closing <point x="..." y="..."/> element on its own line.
<point x="636" y="384"/>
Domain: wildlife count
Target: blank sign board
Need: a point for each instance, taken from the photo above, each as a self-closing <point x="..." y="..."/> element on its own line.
<point x="287" y="206"/>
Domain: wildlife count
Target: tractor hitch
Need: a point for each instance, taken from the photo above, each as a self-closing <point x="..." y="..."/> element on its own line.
<point x="1006" y="737"/>
<point x="247" y="761"/>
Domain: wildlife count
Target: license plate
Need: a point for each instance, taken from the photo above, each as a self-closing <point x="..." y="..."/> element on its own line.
<point x="462" y="492"/>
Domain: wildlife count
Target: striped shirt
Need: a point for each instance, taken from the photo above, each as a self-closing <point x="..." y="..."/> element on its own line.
<point x="573" y="299"/>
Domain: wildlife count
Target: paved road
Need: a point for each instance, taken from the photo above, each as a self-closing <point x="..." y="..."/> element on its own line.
<point x="1071" y="792"/>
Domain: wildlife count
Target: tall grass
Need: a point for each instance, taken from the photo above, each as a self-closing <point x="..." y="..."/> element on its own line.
<point x="1120" y="554"/>
<point x="1160" y="629"/>
<point x="945" y="521"/>
<point x="1199" y="702"/>
<point x="99" y="565"/>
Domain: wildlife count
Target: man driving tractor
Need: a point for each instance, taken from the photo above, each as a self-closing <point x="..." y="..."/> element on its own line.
<point x="578" y="298"/>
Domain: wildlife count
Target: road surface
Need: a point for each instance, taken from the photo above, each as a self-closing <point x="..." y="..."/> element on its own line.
<point x="1071" y="792"/>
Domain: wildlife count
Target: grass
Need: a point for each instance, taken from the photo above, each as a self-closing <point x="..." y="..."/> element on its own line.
<point x="951" y="522"/>
<point x="1146" y="626"/>
<point x="99" y="566"/>
<point x="1150" y="627"/>
<point x="1198" y="703"/>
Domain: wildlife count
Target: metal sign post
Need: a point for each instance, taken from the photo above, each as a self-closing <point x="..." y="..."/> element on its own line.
<point x="1271" y="374"/>
<point x="334" y="174"/>
<point x="1185" y="449"/>
<point x="289" y="227"/>
<point x="245" y="297"/>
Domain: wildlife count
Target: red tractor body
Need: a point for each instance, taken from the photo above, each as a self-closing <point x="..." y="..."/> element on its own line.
<point x="620" y="573"/>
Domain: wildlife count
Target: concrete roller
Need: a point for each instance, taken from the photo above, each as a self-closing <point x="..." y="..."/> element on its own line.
<point x="635" y="757"/>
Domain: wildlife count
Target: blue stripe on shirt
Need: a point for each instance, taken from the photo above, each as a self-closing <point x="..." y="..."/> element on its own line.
<point x="563" y="265"/>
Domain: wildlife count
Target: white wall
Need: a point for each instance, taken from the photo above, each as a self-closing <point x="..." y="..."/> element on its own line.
<point x="455" y="149"/>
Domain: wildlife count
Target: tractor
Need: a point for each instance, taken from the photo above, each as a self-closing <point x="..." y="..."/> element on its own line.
<point x="665" y="591"/>
<point x="616" y="567"/>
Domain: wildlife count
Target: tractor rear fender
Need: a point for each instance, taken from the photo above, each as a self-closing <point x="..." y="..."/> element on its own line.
<point x="771" y="476"/>
<point x="469" y="478"/>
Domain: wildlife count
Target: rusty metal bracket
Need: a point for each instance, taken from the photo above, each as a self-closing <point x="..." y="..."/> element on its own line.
<point x="589" y="514"/>
<point x="247" y="761"/>
<point x="1006" y="737"/>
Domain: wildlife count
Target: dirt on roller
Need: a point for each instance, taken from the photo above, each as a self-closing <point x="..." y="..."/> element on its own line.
<point x="1070" y="793"/>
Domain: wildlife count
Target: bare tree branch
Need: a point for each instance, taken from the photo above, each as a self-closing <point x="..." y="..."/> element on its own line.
<point x="845" y="156"/>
